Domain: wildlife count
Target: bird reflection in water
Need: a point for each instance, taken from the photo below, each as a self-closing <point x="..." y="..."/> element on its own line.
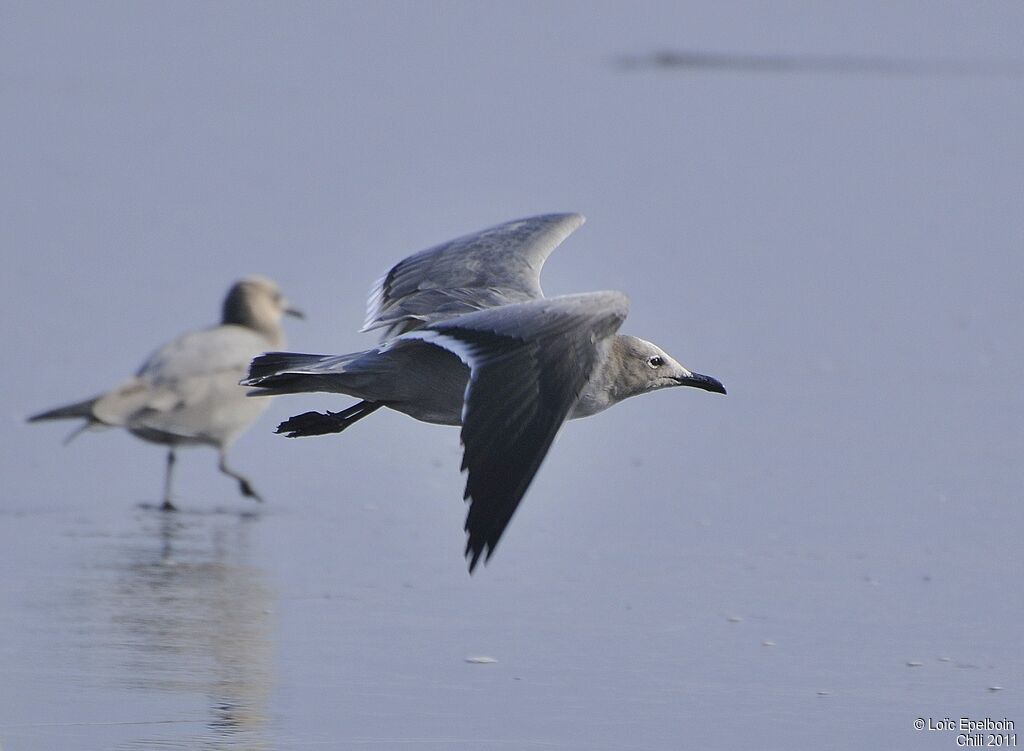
<point x="190" y="617"/>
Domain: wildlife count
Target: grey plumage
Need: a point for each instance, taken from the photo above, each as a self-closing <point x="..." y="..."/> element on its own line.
<point x="187" y="392"/>
<point x="470" y="340"/>
<point x="486" y="269"/>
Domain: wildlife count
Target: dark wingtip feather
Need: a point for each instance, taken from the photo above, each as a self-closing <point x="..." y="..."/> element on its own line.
<point x="474" y="557"/>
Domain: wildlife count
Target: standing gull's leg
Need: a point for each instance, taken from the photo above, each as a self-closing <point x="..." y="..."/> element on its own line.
<point x="244" y="485"/>
<point x="167" y="505"/>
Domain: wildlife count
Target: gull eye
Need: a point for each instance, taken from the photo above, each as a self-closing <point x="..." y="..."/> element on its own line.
<point x="656" y="362"/>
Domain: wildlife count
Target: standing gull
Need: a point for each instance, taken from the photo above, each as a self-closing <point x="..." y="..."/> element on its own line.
<point x="470" y="340"/>
<point x="187" y="392"/>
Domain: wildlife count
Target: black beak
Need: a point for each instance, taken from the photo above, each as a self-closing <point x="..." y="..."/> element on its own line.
<point x="294" y="312"/>
<point x="699" y="381"/>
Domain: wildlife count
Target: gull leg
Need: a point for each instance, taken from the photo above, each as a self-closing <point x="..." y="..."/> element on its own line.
<point x="321" y="423"/>
<point x="244" y="486"/>
<point x="167" y="505"/>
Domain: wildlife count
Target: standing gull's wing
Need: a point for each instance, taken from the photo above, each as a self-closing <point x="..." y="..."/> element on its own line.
<point x="496" y="266"/>
<point x="204" y="352"/>
<point x="528" y="364"/>
<point x="198" y="366"/>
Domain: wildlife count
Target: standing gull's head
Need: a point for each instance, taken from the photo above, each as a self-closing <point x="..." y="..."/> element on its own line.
<point x="257" y="303"/>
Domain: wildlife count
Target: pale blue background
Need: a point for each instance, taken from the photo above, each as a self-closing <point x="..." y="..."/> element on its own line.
<point x="845" y="251"/>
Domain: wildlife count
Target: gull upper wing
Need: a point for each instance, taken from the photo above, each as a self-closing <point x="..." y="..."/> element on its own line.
<point x="528" y="364"/>
<point x="182" y="372"/>
<point x="204" y="352"/>
<point x="493" y="267"/>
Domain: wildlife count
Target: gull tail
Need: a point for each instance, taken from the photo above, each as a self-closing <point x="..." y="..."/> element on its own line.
<point x="68" y="411"/>
<point x="290" y="373"/>
<point x="79" y="410"/>
<point x="293" y="373"/>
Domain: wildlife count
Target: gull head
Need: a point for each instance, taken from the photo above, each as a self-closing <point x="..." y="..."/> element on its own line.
<point x="257" y="303"/>
<point x="647" y="367"/>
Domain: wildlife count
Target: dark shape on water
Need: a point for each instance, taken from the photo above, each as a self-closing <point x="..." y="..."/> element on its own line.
<point x="693" y="60"/>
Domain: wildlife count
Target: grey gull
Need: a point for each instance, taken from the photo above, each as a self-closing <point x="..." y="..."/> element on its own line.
<point x="469" y="339"/>
<point x="187" y="392"/>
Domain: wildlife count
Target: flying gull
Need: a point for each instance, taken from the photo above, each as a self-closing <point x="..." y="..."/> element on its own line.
<point x="187" y="392"/>
<point x="469" y="339"/>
